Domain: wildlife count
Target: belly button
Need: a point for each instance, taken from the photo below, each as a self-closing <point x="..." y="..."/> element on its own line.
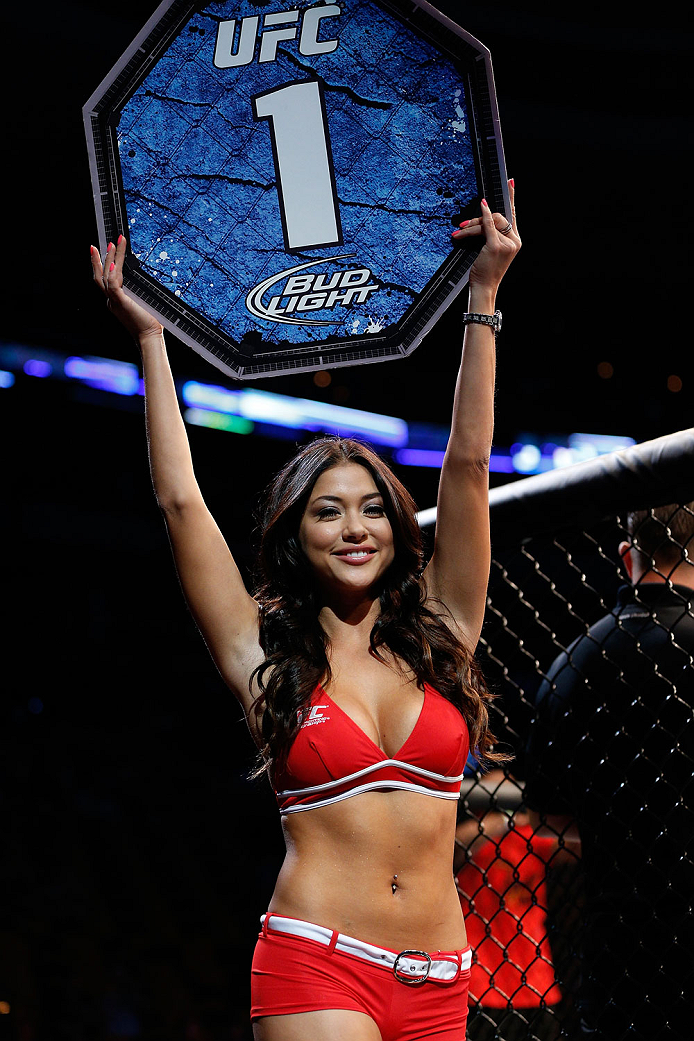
<point x="394" y="884"/>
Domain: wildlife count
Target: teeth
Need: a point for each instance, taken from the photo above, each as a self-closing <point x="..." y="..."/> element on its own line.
<point x="357" y="553"/>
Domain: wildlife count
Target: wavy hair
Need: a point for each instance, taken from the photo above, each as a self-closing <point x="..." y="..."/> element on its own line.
<point x="291" y="637"/>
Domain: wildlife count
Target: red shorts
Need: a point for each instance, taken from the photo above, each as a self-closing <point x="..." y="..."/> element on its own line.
<point x="293" y="974"/>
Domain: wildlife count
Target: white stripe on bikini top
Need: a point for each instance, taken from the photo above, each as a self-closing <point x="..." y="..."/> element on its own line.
<point x="405" y="785"/>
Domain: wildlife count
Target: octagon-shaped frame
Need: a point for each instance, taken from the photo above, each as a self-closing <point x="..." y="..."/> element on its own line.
<point x="279" y="322"/>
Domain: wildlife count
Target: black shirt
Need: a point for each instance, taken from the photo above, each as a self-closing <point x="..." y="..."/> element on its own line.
<point x="612" y="744"/>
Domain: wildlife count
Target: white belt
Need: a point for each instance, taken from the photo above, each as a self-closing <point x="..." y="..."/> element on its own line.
<point x="408" y="966"/>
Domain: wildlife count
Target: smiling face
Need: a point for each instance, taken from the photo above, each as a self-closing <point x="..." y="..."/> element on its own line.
<point x="344" y="531"/>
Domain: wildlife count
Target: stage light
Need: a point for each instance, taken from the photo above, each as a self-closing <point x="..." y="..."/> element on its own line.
<point x="319" y="416"/>
<point x="117" y="377"/>
<point x="201" y="417"/>
<point x="272" y="408"/>
<point x="581" y="447"/>
<point x="36" y="367"/>
<point x="526" y="458"/>
<point x="674" y="384"/>
<point x="296" y="413"/>
<point x="418" y="457"/>
<point x="209" y="396"/>
<point x="582" y="450"/>
<point x="238" y="411"/>
<point x="562" y="456"/>
<point x="499" y="462"/>
<point x="4" y="1008"/>
<point x="600" y="443"/>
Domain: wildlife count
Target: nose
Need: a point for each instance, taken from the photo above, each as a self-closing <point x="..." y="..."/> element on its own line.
<point x="354" y="529"/>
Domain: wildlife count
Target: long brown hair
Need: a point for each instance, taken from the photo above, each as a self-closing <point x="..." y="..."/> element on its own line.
<point x="294" y="643"/>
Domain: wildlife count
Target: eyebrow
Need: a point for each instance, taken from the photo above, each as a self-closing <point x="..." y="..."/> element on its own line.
<point x="338" y="498"/>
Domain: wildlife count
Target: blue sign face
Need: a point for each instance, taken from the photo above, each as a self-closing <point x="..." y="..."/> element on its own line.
<point x="289" y="175"/>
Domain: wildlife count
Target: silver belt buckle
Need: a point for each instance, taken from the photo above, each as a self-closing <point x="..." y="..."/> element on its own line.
<point x="412" y="979"/>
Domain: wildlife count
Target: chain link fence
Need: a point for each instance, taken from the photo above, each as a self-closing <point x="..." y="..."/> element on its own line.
<point x="575" y="865"/>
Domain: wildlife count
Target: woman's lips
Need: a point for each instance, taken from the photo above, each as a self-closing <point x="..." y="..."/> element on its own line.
<point x="356" y="556"/>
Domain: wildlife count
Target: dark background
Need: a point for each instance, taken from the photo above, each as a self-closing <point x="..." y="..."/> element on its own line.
<point x="136" y="856"/>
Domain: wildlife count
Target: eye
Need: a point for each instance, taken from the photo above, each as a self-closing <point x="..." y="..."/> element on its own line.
<point x="374" y="509"/>
<point x="329" y="513"/>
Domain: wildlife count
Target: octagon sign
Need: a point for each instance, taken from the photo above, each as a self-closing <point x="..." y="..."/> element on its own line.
<point x="288" y="175"/>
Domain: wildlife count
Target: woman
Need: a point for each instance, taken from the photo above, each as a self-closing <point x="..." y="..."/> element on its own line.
<point x="355" y="671"/>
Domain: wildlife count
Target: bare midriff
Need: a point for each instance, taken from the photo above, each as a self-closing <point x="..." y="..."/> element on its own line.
<point x="377" y="867"/>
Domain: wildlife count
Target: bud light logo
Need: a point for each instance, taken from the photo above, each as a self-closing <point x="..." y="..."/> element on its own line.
<point x="292" y="295"/>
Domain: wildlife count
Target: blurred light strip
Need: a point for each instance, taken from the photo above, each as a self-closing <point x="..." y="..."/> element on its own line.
<point x="419" y="457"/>
<point x="237" y="411"/>
<point x="206" y="395"/>
<point x="297" y="413"/>
<point x="499" y="462"/>
<point x="201" y="417"/>
<point x="600" y="444"/>
<point x="38" y="367"/>
<point x="118" y="377"/>
<point x="530" y="456"/>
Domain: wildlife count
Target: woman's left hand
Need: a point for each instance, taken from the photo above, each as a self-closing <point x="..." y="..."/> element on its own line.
<point x="502" y="242"/>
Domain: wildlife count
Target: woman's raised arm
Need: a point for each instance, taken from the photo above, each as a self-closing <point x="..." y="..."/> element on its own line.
<point x="458" y="572"/>
<point x="224" y="611"/>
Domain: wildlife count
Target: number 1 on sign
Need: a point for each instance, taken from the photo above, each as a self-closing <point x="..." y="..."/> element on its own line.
<point x="303" y="164"/>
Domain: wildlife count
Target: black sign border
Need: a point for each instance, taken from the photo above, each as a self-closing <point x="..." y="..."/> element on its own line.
<point x="250" y="358"/>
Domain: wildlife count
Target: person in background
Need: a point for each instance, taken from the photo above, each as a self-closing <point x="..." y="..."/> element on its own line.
<point x="500" y="867"/>
<point x="609" y="760"/>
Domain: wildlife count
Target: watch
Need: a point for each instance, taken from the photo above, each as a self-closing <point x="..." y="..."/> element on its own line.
<point x="492" y="320"/>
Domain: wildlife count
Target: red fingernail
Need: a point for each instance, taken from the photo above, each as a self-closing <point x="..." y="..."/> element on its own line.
<point x="110" y="247"/>
<point x="485" y="203"/>
<point x="112" y="267"/>
<point x="464" y="224"/>
<point x="119" y="239"/>
<point x="512" y="183"/>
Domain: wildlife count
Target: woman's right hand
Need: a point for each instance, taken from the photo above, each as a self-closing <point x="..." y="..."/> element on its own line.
<point x="109" y="278"/>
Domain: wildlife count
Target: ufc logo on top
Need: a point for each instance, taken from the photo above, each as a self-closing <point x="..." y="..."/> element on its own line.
<point x="304" y="25"/>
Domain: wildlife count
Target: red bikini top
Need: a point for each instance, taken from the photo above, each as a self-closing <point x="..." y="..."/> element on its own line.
<point x="331" y="758"/>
